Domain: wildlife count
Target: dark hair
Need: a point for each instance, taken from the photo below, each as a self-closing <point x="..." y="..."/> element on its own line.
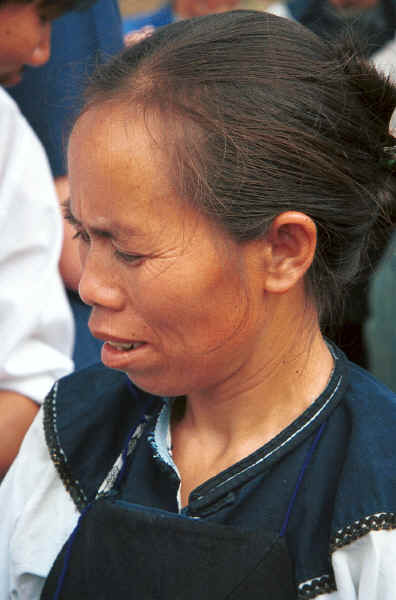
<point x="53" y="8"/>
<point x="261" y="117"/>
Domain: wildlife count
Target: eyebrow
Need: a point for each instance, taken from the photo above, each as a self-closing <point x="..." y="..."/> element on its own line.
<point x="70" y="218"/>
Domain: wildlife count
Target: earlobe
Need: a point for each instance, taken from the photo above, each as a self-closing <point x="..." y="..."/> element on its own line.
<point x="291" y="245"/>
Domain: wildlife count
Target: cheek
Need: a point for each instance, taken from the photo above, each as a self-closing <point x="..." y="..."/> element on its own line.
<point x="198" y="314"/>
<point x="8" y="54"/>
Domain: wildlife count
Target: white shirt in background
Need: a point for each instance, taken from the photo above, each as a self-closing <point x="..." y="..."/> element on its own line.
<point x="36" y="323"/>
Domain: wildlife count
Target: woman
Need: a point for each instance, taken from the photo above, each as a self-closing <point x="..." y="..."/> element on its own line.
<point x="227" y="175"/>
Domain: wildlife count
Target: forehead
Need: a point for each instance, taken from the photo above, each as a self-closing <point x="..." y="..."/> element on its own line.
<point x="112" y="130"/>
<point x="19" y="9"/>
<point x="117" y="146"/>
<point x="120" y="181"/>
<point x="17" y="13"/>
<point x="119" y="170"/>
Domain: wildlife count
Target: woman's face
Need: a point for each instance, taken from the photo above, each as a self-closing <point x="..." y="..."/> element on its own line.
<point x="176" y="302"/>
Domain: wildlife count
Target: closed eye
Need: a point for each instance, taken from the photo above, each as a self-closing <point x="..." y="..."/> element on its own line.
<point x="82" y="235"/>
<point x="127" y="257"/>
<point x="70" y="218"/>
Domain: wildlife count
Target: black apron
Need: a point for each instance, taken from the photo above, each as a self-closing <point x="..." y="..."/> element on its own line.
<point x="124" y="551"/>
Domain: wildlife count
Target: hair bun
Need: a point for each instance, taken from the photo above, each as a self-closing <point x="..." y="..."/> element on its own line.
<point x="388" y="160"/>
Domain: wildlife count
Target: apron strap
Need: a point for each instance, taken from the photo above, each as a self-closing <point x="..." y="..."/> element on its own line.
<point x="307" y="460"/>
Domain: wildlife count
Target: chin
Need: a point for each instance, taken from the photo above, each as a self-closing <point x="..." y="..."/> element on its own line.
<point x="157" y="387"/>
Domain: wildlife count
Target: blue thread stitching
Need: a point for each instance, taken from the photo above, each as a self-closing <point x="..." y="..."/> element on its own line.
<point x="307" y="460"/>
<point x="282" y="445"/>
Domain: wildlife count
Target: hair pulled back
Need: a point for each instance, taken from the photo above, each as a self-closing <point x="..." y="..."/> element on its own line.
<point x="270" y="118"/>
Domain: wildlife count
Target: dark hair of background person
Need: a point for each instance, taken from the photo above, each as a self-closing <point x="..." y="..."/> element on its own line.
<point x="260" y="116"/>
<point x="374" y="25"/>
<point x="53" y="8"/>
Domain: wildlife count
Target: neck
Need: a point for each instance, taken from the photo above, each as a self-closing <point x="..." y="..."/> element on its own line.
<point x="256" y="408"/>
<point x="222" y="425"/>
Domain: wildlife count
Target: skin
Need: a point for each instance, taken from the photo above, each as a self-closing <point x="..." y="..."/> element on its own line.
<point x="25" y="39"/>
<point x="227" y="325"/>
<point x="197" y="8"/>
<point x="16" y="414"/>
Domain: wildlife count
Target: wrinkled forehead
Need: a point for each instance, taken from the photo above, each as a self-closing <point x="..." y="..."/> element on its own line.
<point x="115" y="157"/>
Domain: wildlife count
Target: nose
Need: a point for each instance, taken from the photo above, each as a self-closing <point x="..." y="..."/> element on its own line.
<point x="98" y="285"/>
<point x="42" y="51"/>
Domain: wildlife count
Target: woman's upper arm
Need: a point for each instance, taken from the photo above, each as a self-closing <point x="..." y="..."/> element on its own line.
<point x="365" y="569"/>
<point x="37" y="517"/>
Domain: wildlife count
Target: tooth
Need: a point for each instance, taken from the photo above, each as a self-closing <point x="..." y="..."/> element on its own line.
<point x="121" y="345"/>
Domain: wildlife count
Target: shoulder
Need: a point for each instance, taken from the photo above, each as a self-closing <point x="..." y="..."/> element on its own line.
<point x="352" y="498"/>
<point x="370" y="407"/>
<point x="88" y="396"/>
<point x="87" y="418"/>
<point x="93" y="380"/>
<point x="19" y="145"/>
<point x="12" y="125"/>
<point x="11" y="118"/>
<point x="7" y="104"/>
<point x="26" y="184"/>
<point x="366" y="494"/>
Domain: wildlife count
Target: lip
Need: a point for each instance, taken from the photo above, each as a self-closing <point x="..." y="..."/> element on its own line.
<point x="120" y="359"/>
<point x="116" y="358"/>
<point x="107" y="337"/>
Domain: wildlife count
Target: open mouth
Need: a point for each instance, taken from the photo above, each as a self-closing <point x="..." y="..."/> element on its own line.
<point x="119" y="355"/>
<point x="125" y="346"/>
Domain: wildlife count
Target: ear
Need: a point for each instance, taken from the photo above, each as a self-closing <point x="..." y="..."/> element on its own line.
<point x="290" y="250"/>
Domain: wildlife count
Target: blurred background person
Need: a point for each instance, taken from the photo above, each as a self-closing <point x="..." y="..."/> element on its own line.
<point x="49" y="98"/>
<point x="373" y="20"/>
<point x="36" y="322"/>
<point x="167" y="12"/>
